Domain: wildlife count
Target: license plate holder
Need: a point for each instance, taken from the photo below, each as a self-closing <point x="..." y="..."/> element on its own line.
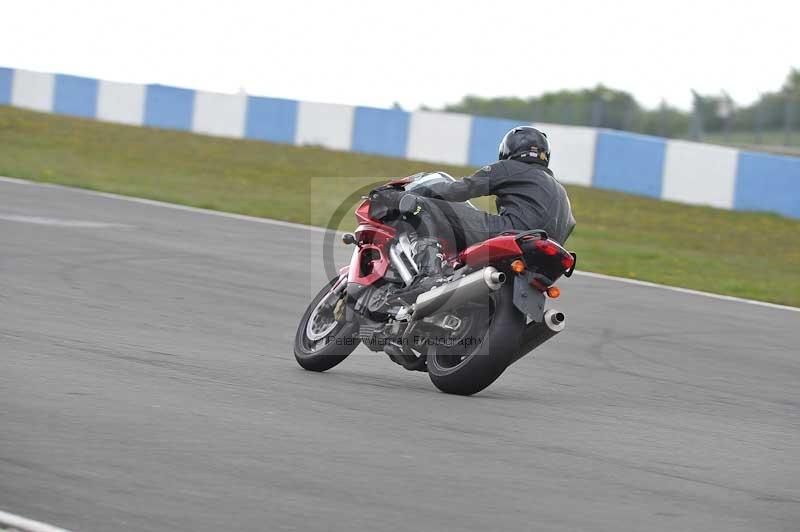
<point x="527" y="299"/>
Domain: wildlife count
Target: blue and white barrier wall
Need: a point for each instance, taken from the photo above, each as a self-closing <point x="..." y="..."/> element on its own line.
<point x="674" y="170"/>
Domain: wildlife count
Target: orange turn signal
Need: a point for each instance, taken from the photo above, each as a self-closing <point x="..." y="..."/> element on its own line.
<point x="553" y="292"/>
<point x="518" y="266"/>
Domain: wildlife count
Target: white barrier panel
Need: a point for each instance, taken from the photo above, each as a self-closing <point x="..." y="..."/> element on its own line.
<point x="32" y="90"/>
<point x="120" y="102"/>
<point x="700" y="174"/>
<point x="439" y="137"/>
<point x="219" y="114"/>
<point x="324" y="124"/>
<point x="573" y="152"/>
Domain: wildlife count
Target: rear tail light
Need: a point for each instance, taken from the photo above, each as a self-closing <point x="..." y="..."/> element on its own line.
<point x="546" y="247"/>
<point x="549" y="248"/>
<point x="547" y="258"/>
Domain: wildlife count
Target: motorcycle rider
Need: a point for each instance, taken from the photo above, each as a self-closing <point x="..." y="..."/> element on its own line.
<point x="527" y="197"/>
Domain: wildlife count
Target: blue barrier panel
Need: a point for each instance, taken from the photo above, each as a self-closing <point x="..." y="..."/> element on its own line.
<point x="629" y="162"/>
<point x="485" y="137"/>
<point x="271" y="119"/>
<point x="6" y="79"/>
<point x="380" y="131"/>
<point x="768" y="183"/>
<point x="74" y="95"/>
<point x="168" y="107"/>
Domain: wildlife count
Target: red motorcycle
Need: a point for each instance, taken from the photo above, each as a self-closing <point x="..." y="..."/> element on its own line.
<point x="485" y="313"/>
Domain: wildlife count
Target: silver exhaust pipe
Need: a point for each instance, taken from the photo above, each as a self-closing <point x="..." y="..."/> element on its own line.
<point x="537" y="333"/>
<point x="456" y="293"/>
<point x="402" y="269"/>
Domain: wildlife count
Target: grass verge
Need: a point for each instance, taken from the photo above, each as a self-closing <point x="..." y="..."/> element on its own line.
<point x="752" y="255"/>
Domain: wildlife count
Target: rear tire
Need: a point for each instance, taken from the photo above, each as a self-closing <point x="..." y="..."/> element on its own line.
<point x="335" y="346"/>
<point x="489" y="360"/>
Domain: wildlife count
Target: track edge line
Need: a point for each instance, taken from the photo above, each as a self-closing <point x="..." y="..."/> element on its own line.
<point x="23" y="524"/>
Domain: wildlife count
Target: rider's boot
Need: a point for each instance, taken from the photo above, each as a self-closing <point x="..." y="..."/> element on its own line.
<point x="428" y="254"/>
<point x="429" y="258"/>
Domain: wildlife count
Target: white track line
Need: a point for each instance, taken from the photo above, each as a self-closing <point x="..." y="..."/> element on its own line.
<point x="15" y="522"/>
<point x="687" y="291"/>
<point x="281" y="223"/>
<point x="164" y="204"/>
<point x="58" y="222"/>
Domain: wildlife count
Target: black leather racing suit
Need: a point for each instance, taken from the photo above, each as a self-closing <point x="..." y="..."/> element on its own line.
<point x="528" y="197"/>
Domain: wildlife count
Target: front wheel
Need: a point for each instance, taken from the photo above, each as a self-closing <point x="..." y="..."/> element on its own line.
<point x="483" y="351"/>
<point x="323" y="337"/>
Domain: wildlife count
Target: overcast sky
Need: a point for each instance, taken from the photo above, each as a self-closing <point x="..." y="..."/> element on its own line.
<point x="413" y="52"/>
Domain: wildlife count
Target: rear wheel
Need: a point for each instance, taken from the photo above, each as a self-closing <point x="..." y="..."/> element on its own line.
<point x="323" y="337"/>
<point x="483" y="350"/>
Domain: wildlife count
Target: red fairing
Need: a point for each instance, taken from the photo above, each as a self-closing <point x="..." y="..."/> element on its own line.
<point x="490" y="251"/>
<point x="371" y="260"/>
<point x="370" y="224"/>
<point x="369" y="264"/>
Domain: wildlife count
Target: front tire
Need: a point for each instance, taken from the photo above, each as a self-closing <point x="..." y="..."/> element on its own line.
<point x="322" y="341"/>
<point x="468" y="373"/>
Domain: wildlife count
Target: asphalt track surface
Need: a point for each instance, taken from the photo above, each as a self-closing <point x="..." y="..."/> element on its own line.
<point x="148" y="383"/>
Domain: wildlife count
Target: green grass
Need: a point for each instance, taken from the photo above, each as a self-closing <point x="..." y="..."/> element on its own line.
<point x="753" y="255"/>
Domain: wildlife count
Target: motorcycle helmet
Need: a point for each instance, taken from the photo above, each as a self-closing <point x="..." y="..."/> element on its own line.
<point x="526" y="144"/>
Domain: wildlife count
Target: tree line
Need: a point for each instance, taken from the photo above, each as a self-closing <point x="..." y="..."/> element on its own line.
<point x="610" y="108"/>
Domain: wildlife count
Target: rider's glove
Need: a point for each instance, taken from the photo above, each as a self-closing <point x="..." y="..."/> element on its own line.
<point x="384" y="202"/>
